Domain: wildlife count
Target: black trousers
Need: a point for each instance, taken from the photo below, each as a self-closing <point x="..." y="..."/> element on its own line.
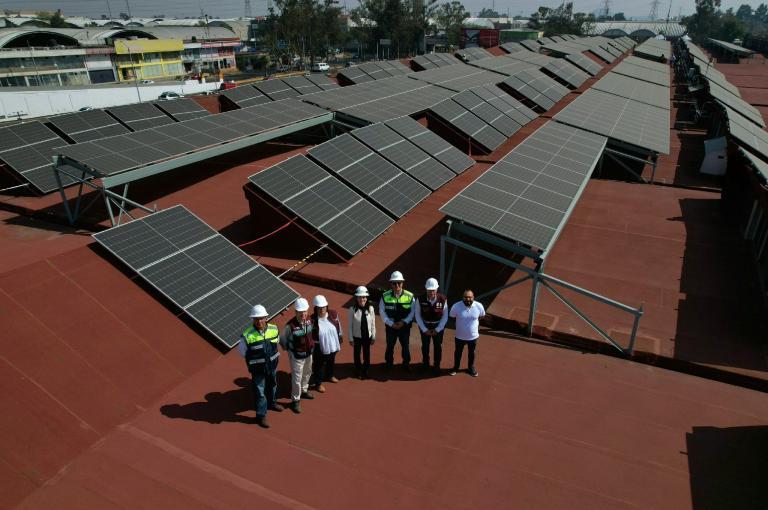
<point x="471" y="344"/>
<point x="438" y="341"/>
<point x="393" y="336"/>
<point x="365" y="346"/>
<point x="322" y="361"/>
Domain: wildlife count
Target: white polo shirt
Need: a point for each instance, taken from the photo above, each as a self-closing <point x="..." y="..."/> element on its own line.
<point x="467" y="320"/>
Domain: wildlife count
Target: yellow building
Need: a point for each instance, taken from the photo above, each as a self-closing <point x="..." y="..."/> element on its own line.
<point x="148" y="59"/>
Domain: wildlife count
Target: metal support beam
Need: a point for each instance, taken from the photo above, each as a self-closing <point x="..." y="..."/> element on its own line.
<point x="625" y="167"/>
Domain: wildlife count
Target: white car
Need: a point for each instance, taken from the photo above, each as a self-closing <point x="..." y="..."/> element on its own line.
<point x="167" y="96"/>
<point x="320" y="67"/>
<point x="146" y="82"/>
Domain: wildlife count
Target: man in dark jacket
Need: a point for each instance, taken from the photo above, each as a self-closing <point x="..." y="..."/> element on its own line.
<point x="299" y="340"/>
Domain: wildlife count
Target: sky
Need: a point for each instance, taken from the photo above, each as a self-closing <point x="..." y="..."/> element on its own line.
<point x="236" y="8"/>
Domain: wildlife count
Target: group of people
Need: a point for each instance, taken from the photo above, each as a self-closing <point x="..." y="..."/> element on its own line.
<point x="313" y="340"/>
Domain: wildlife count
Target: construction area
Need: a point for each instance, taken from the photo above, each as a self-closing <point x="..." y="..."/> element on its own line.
<point x="607" y="204"/>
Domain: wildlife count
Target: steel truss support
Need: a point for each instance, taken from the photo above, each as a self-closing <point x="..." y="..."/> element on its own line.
<point x="612" y="153"/>
<point x="536" y="274"/>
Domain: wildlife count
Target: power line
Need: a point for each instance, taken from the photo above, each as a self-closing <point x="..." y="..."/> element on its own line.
<point x="654" y="10"/>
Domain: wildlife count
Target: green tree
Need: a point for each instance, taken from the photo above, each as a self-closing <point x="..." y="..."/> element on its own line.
<point x="761" y="13"/>
<point x="619" y="16"/>
<point x="705" y="21"/>
<point x="449" y="17"/>
<point x="744" y="12"/>
<point x="731" y="27"/>
<point x="306" y="26"/>
<point x="561" y="20"/>
<point x="488" y="13"/>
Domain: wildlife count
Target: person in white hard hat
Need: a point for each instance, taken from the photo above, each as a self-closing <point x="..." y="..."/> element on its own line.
<point x="258" y="345"/>
<point x="328" y="334"/>
<point x="299" y="340"/>
<point x="431" y="317"/>
<point x="362" y="331"/>
<point x="396" y="310"/>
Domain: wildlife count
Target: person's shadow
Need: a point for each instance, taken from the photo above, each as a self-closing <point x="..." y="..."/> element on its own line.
<point x="221" y="407"/>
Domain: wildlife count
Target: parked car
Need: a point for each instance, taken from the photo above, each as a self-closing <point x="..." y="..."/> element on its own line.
<point x="84" y="109"/>
<point x="168" y="96"/>
<point x="146" y="82"/>
<point x="320" y="67"/>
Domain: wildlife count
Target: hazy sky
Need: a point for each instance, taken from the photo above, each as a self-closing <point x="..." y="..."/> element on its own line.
<point x="235" y="8"/>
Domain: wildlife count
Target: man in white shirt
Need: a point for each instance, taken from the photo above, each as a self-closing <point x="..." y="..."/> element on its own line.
<point x="467" y="313"/>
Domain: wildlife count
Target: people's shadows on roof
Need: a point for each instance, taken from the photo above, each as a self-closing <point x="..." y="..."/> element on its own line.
<point x="229" y="406"/>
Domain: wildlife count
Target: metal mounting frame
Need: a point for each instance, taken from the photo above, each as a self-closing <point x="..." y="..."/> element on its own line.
<point x="536" y="274"/>
<point x="86" y="176"/>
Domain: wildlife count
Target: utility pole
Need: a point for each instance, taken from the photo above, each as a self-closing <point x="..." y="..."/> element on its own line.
<point x="128" y="8"/>
<point x="654" y="10"/>
<point x="109" y="10"/>
<point x="606" y="8"/>
<point x="248" y="10"/>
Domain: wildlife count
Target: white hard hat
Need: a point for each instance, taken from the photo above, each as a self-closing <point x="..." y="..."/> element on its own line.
<point x="431" y="284"/>
<point x="258" y="311"/>
<point x="320" y="300"/>
<point x="361" y="291"/>
<point x="396" y="276"/>
<point x="301" y="305"/>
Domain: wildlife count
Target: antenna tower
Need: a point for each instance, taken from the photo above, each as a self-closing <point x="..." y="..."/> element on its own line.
<point x="248" y="9"/>
<point x="606" y="8"/>
<point x="654" y="10"/>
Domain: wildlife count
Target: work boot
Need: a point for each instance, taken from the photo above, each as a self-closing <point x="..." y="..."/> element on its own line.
<point x="262" y="422"/>
<point x="320" y="388"/>
<point x="275" y="408"/>
<point x="453" y="371"/>
<point x="296" y="407"/>
<point x="473" y="372"/>
<point x="307" y="396"/>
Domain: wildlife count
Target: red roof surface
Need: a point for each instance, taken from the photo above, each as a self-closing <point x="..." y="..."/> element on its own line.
<point x="114" y="399"/>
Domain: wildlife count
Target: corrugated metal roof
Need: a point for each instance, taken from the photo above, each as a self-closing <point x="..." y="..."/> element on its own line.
<point x="650" y="28"/>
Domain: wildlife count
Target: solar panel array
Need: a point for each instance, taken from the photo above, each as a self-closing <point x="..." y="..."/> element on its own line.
<point x="90" y="125"/>
<point x="531" y="45"/>
<point x="140" y="116"/>
<point x="537" y="87"/>
<point x="619" y="118"/>
<point x="468" y="124"/>
<point x="737" y="104"/>
<point x="354" y="75"/>
<point x="373" y="176"/>
<point x="713" y="76"/>
<point x="638" y="90"/>
<point x="457" y="77"/>
<point x="583" y="62"/>
<point x="470" y="54"/>
<point x="301" y="84"/>
<point x="487" y="112"/>
<point x="529" y="194"/>
<point x="182" y="109"/>
<point x="602" y="53"/>
<point x="322" y="81"/>
<point x="536" y="59"/>
<point x="121" y="153"/>
<point x="512" y="47"/>
<point x="432" y="144"/>
<point x="324" y="202"/>
<point x="654" y="49"/>
<point x="405" y="155"/>
<point x="373" y="71"/>
<point x="245" y="96"/>
<point x="506" y="104"/>
<point x="435" y="60"/>
<point x="275" y="89"/>
<point x="747" y="133"/>
<point x="638" y="68"/>
<point x="735" y="48"/>
<point x="567" y="72"/>
<point x="199" y="270"/>
<point x="28" y="150"/>
<point x="506" y="65"/>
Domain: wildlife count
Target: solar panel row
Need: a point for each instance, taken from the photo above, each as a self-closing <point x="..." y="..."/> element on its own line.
<point x="89" y="125"/>
<point x="28" y="150"/>
<point x="468" y="124"/>
<point x="140" y="116"/>
<point x="432" y="144"/>
<point x="200" y="271"/>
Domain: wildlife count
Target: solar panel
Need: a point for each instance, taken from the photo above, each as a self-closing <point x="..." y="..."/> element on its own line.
<point x="470" y="54"/>
<point x="468" y="124"/>
<point x="373" y="70"/>
<point x="396" y="192"/>
<point x="584" y="62"/>
<point x="529" y="194"/>
<point x="405" y="155"/>
<point x="203" y="273"/>
<point x="714" y="76"/>
<point x="407" y="103"/>
<point x="28" y="150"/>
<point x="301" y="84"/>
<point x="323" y="202"/>
<point x="523" y="88"/>
<point x="458" y="77"/>
<point x="490" y="115"/>
<point x="512" y="47"/>
<point x="86" y="126"/>
<point x="630" y="67"/>
<point x="619" y="118"/>
<point x="432" y="144"/>
<point x="118" y="154"/>
<point x="567" y="72"/>
<point x="737" y="104"/>
<point x="637" y="90"/>
<point x="182" y="109"/>
<point x="354" y="75"/>
<point x="531" y="46"/>
<point x="506" y="65"/>
<point x="601" y="53"/>
<point x="506" y="104"/>
<point x="322" y="81"/>
<point x="654" y="49"/>
<point x="746" y="132"/>
<point x="536" y="59"/>
<point x="245" y="96"/>
<point x="140" y="116"/>
<point x="275" y="89"/>
<point x="423" y="63"/>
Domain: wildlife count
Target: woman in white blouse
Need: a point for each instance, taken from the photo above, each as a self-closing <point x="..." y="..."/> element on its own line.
<point x="328" y="342"/>
<point x="362" y="331"/>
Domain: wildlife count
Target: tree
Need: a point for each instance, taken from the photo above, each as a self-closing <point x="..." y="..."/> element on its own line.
<point x="705" y="21"/>
<point x="306" y="26"/>
<point x="449" y="17"/>
<point x="561" y="20"/>
<point x="731" y="27"/>
<point x="761" y="13"/>
<point x="488" y="13"/>
<point x="619" y="16"/>
<point x="744" y="12"/>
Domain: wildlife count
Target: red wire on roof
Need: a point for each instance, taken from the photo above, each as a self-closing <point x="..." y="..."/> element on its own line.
<point x="264" y="236"/>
